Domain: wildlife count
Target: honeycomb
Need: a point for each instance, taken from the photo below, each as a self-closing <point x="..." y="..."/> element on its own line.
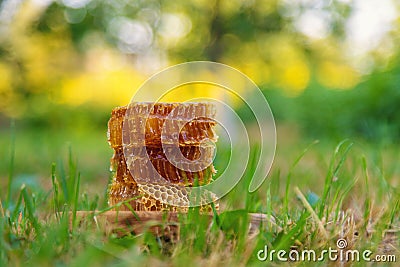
<point x="152" y="197"/>
<point x="148" y="161"/>
<point x="146" y="124"/>
<point x="153" y="132"/>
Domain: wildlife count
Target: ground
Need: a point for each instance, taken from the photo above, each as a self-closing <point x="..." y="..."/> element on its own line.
<point x="318" y="192"/>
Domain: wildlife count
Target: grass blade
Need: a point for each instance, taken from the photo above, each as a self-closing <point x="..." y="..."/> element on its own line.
<point x="55" y="189"/>
<point x="342" y="197"/>
<point x="3" y="255"/>
<point x="394" y="213"/>
<point x="312" y="212"/>
<point x="289" y="175"/>
<point x="16" y="209"/>
<point x="332" y="173"/>
<point x="64" y="183"/>
<point x="367" y="205"/>
<point x="269" y="206"/>
<point x="76" y="197"/>
<point x="31" y="211"/>
<point x="11" y="166"/>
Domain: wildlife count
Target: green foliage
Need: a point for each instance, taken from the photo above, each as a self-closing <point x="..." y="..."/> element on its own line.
<point x="368" y="112"/>
<point x="258" y="38"/>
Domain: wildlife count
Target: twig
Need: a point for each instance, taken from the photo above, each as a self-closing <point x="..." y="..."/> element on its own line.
<point x="311" y="210"/>
<point x="123" y="222"/>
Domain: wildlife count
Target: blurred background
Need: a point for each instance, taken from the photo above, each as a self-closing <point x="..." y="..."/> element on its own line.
<point x="330" y="70"/>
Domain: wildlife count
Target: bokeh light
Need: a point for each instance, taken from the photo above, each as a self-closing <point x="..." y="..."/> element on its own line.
<point x="94" y="54"/>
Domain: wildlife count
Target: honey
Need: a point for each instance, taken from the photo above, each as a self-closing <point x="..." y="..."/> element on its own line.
<point x="146" y="125"/>
<point x="142" y="135"/>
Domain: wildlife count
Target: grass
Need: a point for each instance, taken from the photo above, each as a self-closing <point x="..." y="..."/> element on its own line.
<point x="316" y="193"/>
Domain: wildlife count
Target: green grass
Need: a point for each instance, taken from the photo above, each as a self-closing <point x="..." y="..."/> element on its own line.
<point x="317" y="192"/>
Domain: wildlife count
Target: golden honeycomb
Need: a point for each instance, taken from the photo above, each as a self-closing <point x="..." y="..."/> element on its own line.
<point x="136" y="177"/>
<point x="146" y="124"/>
<point x="150" y="161"/>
